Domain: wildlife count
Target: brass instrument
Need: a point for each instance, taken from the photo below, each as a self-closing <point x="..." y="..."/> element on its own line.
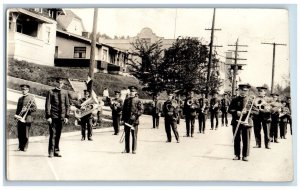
<point x="172" y="104"/>
<point x="284" y="111"/>
<point x="115" y="104"/>
<point x="22" y="117"/>
<point x="129" y="124"/>
<point x="191" y="104"/>
<point x="261" y="105"/>
<point x="88" y="106"/>
<point x="247" y="108"/>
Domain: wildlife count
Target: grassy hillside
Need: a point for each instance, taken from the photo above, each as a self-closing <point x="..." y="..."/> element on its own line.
<point x="41" y="74"/>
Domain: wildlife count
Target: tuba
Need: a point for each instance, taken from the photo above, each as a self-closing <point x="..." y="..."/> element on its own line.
<point x="247" y="108"/>
<point x="88" y="106"/>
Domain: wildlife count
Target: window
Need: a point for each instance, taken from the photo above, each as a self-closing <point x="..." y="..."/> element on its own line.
<point x="56" y="52"/>
<point x="48" y="34"/>
<point x="147" y="40"/>
<point x="79" y="52"/>
<point x="104" y="56"/>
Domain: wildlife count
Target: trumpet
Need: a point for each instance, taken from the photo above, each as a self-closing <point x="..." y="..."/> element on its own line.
<point x="248" y="105"/>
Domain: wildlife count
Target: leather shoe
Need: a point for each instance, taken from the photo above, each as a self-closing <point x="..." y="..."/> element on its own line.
<point x="257" y="146"/>
<point x="50" y="155"/>
<point x="178" y="141"/>
<point x="267" y="147"/>
<point x="133" y="152"/>
<point x="82" y="139"/>
<point x="90" y="139"/>
<point x="245" y="159"/>
<point x="236" y="158"/>
<point x="276" y="141"/>
<point x="57" y="155"/>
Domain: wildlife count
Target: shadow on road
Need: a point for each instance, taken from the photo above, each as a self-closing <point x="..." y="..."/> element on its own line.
<point x="108" y="152"/>
<point x="214" y="158"/>
<point x="151" y="141"/>
<point x="224" y="145"/>
<point x="29" y="155"/>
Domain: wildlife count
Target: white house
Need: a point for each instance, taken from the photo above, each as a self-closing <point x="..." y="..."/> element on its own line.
<point x="31" y="34"/>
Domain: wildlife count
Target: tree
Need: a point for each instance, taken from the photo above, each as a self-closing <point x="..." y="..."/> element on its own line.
<point x="185" y="66"/>
<point x="145" y="64"/>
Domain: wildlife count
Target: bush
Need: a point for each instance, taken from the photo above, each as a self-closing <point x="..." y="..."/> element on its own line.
<point x="40" y="127"/>
<point x="41" y="74"/>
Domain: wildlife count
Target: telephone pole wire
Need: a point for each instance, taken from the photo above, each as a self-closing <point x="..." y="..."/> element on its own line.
<point x="210" y="52"/>
<point x="235" y="67"/>
<point x="273" y="62"/>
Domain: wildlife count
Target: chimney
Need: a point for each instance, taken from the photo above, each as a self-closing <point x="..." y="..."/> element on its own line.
<point x="86" y="34"/>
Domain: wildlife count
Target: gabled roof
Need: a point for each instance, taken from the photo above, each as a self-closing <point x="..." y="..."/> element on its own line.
<point x="63" y="21"/>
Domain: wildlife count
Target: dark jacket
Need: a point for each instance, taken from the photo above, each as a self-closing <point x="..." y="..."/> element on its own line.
<point x="224" y="105"/>
<point x="188" y="110"/>
<point x="57" y="104"/>
<point x="132" y="107"/>
<point x="237" y="104"/>
<point x="25" y="101"/>
<point x="170" y="112"/>
<point x="117" y="109"/>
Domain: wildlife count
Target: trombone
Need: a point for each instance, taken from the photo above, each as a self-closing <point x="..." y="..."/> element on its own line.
<point x="250" y="101"/>
<point x="22" y="115"/>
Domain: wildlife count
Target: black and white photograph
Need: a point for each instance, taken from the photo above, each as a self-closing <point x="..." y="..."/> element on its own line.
<point x="190" y="94"/>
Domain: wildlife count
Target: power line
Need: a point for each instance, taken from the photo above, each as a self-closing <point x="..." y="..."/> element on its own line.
<point x="236" y="66"/>
<point x="273" y="62"/>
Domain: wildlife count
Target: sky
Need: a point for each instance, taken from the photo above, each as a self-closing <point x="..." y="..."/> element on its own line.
<point x="250" y="26"/>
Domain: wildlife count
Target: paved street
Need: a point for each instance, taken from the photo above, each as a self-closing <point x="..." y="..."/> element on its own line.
<point x="202" y="158"/>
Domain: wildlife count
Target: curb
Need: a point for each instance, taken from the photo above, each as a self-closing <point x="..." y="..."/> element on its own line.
<point x="65" y="134"/>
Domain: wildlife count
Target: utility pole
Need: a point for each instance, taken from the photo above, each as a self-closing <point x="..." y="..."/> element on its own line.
<point x="235" y="67"/>
<point x="273" y="62"/>
<point x="93" y="50"/>
<point x="210" y="52"/>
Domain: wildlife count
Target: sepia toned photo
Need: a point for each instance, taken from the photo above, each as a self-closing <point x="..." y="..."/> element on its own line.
<point x="148" y="94"/>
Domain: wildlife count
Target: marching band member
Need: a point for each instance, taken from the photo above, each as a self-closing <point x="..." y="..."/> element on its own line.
<point x="288" y="104"/>
<point x="155" y="112"/>
<point x="171" y="114"/>
<point x="275" y="109"/>
<point x="26" y="105"/>
<point x="214" y="109"/>
<point x="57" y="111"/>
<point x="116" y="106"/>
<point x="236" y="109"/>
<point x="180" y="107"/>
<point x="283" y="119"/>
<point x="224" y="109"/>
<point x="261" y="119"/>
<point x="132" y="110"/>
<point x="190" y="111"/>
<point x="85" y="121"/>
<point x="203" y="106"/>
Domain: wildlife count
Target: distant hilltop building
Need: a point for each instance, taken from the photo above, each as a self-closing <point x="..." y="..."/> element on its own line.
<point x="146" y="34"/>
